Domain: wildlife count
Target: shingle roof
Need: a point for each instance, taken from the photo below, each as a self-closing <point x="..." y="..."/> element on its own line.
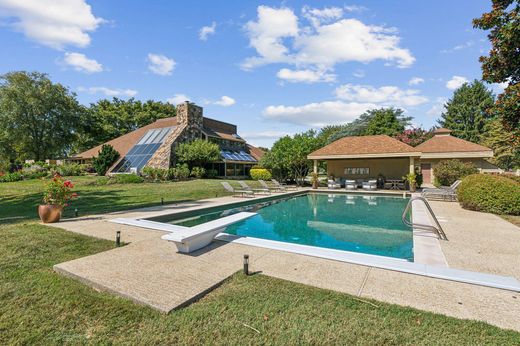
<point x="448" y="144"/>
<point x="365" y="145"/>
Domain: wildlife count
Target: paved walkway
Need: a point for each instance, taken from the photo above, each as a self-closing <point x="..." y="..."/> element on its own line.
<point x="150" y="271"/>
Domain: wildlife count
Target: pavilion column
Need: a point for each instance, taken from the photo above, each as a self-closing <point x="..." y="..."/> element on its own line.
<point x="315" y="167"/>
<point x="412" y="165"/>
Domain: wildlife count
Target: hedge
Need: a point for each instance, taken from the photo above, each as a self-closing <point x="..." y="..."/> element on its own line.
<point x="260" y="174"/>
<point x="489" y="193"/>
<point x="448" y="171"/>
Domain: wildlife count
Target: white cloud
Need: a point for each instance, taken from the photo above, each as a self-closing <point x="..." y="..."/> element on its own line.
<point x="325" y="15"/>
<point x="54" y="23"/>
<point x="108" y="91"/>
<point x="456" y="82"/>
<point x="385" y="95"/>
<point x="79" y="62"/>
<point x="355" y="8"/>
<point x="415" y="81"/>
<point x="225" y="101"/>
<point x="437" y="108"/>
<point x="305" y="76"/>
<point x="160" y="64"/>
<point x="178" y="98"/>
<point x="265" y="135"/>
<point x="267" y="33"/>
<point x="359" y="74"/>
<point x="458" y="47"/>
<point x="278" y="37"/>
<point x="206" y="31"/>
<point x="317" y="114"/>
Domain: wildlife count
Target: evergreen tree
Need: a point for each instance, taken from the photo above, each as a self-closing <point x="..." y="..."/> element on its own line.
<point x="468" y="111"/>
<point x="386" y="121"/>
<point x="506" y="155"/>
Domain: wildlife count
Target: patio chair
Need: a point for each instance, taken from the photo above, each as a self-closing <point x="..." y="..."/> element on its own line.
<point x="443" y="193"/>
<point x="282" y="186"/>
<point x="247" y="187"/>
<point x="270" y="188"/>
<point x="237" y="193"/>
<point x="370" y="185"/>
<point x="350" y="185"/>
<point x="333" y="184"/>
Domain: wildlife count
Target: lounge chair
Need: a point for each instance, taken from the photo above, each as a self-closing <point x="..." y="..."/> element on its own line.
<point x="444" y="193"/>
<point x="282" y="186"/>
<point x="237" y="193"/>
<point x="370" y="185"/>
<point x="350" y="185"/>
<point x="333" y="184"/>
<point x="265" y="186"/>
<point x="247" y="187"/>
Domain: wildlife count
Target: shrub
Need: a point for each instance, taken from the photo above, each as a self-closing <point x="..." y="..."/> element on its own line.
<point x="181" y="172"/>
<point x="198" y="153"/>
<point x="490" y="193"/>
<point x="59" y="191"/>
<point x="106" y="158"/>
<point x="34" y="171"/>
<point x="11" y="177"/>
<point x="68" y="169"/>
<point x="447" y="172"/>
<point x="260" y="173"/>
<point x="198" y="172"/>
<point x="157" y="174"/>
<point x="127" y="179"/>
<point x="211" y="173"/>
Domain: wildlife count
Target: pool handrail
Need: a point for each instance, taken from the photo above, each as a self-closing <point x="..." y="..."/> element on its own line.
<point x="437" y="229"/>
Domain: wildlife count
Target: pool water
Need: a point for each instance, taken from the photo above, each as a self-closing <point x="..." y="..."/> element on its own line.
<point x="361" y="223"/>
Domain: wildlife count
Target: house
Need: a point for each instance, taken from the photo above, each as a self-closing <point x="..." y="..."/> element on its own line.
<point x="154" y="145"/>
<point x="363" y="157"/>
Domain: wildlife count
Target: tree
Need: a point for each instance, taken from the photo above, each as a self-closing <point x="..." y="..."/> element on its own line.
<point x="108" y="119"/>
<point x="198" y="153"/>
<point x="288" y="156"/>
<point x="506" y="156"/>
<point x="503" y="63"/>
<point x="414" y="136"/>
<point x="105" y="159"/>
<point x="38" y="118"/>
<point x="468" y="111"/>
<point x="389" y="121"/>
<point x="386" y="121"/>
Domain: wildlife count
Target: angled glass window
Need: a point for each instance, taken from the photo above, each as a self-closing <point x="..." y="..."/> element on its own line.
<point x="236" y="155"/>
<point x="142" y="152"/>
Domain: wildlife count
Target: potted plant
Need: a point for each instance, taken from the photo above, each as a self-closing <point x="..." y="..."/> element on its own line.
<point x="314" y="180"/>
<point x="411" y="178"/>
<point x="58" y="193"/>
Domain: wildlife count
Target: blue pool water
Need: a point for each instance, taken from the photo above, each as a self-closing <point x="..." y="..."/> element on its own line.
<point x="360" y="223"/>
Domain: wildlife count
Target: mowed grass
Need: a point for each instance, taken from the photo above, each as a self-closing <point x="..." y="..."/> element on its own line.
<point x="514" y="219"/>
<point x="39" y="306"/>
<point x="19" y="200"/>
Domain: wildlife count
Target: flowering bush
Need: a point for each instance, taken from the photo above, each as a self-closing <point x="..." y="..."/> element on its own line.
<point x="414" y="136"/>
<point x="59" y="192"/>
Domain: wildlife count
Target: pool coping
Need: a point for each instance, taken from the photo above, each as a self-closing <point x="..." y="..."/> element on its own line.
<point x="429" y="260"/>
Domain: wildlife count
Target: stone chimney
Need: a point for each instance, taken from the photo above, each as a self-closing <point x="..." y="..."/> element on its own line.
<point x="189" y="114"/>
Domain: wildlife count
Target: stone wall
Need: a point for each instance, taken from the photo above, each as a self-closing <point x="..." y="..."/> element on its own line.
<point x="189" y="128"/>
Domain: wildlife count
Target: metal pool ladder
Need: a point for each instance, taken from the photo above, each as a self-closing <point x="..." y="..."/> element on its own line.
<point x="437" y="229"/>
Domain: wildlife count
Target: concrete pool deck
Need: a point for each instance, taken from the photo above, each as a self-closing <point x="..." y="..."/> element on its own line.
<point x="150" y="271"/>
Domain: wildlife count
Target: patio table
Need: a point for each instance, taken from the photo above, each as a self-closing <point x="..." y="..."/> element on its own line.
<point x="394" y="184"/>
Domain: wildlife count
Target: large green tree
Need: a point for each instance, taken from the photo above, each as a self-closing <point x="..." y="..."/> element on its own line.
<point x="288" y="156"/>
<point x="108" y="119"/>
<point x="38" y="118"/>
<point x="198" y="153"/>
<point x="499" y="139"/>
<point x="468" y="111"/>
<point x="503" y="63"/>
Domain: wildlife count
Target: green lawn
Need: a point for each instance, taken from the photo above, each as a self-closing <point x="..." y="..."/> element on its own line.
<point x="514" y="219"/>
<point x="19" y="200"/>
<point x="39" y="306"/>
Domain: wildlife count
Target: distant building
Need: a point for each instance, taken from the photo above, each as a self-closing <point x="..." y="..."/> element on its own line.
<point x="154" y="145"/>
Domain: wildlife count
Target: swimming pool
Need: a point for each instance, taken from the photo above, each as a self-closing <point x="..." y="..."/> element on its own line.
<point x="369" y="224"/>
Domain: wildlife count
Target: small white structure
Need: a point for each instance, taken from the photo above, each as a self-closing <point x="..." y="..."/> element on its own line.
<point x="189" y="239"/>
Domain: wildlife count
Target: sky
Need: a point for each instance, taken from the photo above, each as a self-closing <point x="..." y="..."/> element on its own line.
<point x="272" y="68"/>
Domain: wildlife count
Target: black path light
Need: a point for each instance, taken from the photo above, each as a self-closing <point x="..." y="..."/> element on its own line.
<point x="162" y="201"/>
<point x="246" y="264"/>
<point x="118" y="238"/>
<point x="76" y="212"/>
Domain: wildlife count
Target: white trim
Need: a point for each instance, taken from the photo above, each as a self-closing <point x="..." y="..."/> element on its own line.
<point x="457" y="154"/>
<point x="363" y="156"/>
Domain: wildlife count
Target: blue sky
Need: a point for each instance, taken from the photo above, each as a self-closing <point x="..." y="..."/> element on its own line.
<point x="272" y="68"/>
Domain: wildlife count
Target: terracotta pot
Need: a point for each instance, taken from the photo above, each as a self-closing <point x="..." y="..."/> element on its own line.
<point x="50" y="213"/>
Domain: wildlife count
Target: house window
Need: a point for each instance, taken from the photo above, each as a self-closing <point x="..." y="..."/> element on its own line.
<point x="357" y="171"/>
